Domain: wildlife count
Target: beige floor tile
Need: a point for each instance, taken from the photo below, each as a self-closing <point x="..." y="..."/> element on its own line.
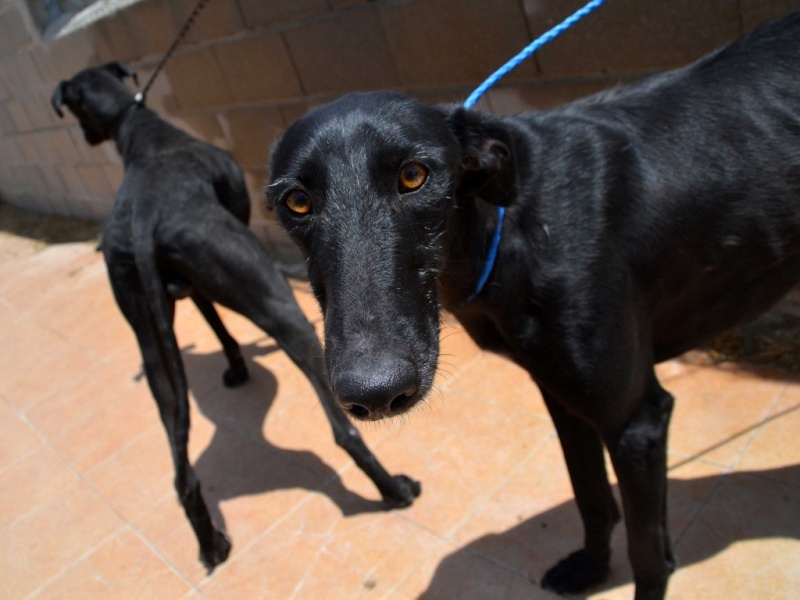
<point x="137" y="477"/>
<point x="17" y="436"/>
<point x="32" y="481"/>
<point x="89" y="420"/>
<point x="774" y="448"/>
<point x="744" y="544"/>
<point x="40" y="545"/>
<point x="717" y="410"/>
<point x="40" y="362"/>
<point x="121" y="568"/>
<point x="495" y="380"/>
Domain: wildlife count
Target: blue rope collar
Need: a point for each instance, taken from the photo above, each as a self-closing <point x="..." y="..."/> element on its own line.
<point x="509" y="66"/>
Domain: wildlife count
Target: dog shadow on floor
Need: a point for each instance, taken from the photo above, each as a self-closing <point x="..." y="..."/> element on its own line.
<point x="736" y="507"/>
<point x="239" y="460"/>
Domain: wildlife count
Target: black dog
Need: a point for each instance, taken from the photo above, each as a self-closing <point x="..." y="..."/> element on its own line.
<point x="178" y="228"/>
<point x="639" y="222"/>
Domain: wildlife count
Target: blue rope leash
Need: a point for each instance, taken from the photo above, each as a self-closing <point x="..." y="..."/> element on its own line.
<point x="512" y="64"/>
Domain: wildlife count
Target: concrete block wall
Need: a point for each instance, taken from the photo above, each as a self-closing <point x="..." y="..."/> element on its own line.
<point x="248" y="68"/>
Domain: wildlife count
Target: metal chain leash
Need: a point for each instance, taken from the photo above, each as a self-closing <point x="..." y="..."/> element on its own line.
<point x="140" y="96"/>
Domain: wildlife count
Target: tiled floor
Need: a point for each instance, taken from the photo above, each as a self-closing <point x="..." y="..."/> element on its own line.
<point x="87" y="509"/>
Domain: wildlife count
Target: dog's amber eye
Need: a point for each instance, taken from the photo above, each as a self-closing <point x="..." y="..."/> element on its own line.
<point x="412" y="176"/>
<point x="298" y="202"/>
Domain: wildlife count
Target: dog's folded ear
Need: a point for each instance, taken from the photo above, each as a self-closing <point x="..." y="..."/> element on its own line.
<point x="121" y="71"/>
<point x="488" y="160"/>
<point x="57" y="99"/>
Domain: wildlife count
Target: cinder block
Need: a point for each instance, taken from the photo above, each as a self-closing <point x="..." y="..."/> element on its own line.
<point x="28" y="70"/>
<point x="19" y="116"/>
<point x="251" y="132"/>
<point x="756" y="12"/>
<point x="451" y="42"/>
<point x="204" y="126"/>
<point x="28" y="149"/>
<point x="95" y="181"/>
<point x="152" y="25"/>
<point x="216" y="20"/>
<point x="120" y="39"/>
<point x="82" y="152"/>
<point x="72" y="53"/>
<point x="40" y="112"/>
<point x="54" y="183"/>
<point x="262" y="13"/>
<point x="509" y="100"/>
<point x="15" y="33"/>
<point x="10" y="76"/>
<point x="61" y="148"/>
<point x="256" y="179"/>
<point x="631" y="35"/>
<point x="258" y="69"/>
<point x="197" y="81"/>
<point x="71" y="180"/>
<point x="6" y="124"/>
<point x="346" y="52"/>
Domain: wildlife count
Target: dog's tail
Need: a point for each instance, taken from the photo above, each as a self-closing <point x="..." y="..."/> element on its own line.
<point x="156" y="295"/>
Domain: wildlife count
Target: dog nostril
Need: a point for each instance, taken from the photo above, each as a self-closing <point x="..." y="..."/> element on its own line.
<point x="358" y="411"/>
<point x="401" y="402"/>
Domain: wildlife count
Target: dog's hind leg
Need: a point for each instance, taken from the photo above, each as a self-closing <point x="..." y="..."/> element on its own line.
<point x="173" y="405"/>
<point x="583" y="454"/>
<point x="236" y="374"/>
<point x="639" y="456"/>
<point x="284" y="320"/>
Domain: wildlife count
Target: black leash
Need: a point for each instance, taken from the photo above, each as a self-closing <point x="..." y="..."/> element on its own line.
<point x="140" y="96"/>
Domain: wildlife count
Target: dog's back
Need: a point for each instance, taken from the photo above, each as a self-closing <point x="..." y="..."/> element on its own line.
<point x="700" y="190"/>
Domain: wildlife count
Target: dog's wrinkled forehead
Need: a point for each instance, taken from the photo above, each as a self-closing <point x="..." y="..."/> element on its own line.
<point x="361" y="130"/>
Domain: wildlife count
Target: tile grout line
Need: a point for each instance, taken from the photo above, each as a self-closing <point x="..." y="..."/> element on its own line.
<point x="125" y="523"/>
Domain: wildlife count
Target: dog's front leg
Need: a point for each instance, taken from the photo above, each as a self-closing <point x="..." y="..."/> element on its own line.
<point x="583" y="453"/>
<point x="639" y="456"/>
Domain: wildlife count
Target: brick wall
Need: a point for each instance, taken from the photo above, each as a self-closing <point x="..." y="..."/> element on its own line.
<point x="250" y="67"/>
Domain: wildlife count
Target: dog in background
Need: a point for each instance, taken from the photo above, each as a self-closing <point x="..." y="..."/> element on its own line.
<point x="639" y="222"/>
<point x="178" y="228"/>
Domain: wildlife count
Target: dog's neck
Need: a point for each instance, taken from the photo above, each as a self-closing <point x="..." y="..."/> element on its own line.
<point x="136" y="126"/>
<point x="470" y="229"/>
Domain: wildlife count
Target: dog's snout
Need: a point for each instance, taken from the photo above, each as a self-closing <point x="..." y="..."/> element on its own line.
<point x="383" y="388"/>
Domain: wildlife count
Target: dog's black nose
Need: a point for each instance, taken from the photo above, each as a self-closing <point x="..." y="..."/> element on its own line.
<point x="383" y="387"/>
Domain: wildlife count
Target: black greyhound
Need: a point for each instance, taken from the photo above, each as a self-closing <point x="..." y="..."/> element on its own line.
<point x="638" y="223"/>
<point x="178" y="228"/>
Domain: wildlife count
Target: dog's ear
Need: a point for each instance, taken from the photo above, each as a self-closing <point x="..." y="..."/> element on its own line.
<point x="121" y="71"/>
<point x="57" y="99"/>
<point x="488" y="160"/>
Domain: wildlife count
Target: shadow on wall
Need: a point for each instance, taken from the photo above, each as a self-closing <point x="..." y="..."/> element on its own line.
<point x="46" y="229"/>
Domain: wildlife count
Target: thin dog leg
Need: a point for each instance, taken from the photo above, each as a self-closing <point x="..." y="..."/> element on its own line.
<point x="171" y="395"/>
<point x="299" y="340"/>
<point x="639" y="455"/>
<point x="583" y="453"/>
<point x="236" y="374"/>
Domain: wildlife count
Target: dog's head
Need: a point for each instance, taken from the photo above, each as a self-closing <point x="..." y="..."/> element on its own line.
<point x="96" y="97"/>
<point x="366" y="186"/>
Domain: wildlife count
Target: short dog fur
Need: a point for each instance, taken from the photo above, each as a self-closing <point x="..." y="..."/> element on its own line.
<point x="639" y="223"/>
<point x="178" y="228"/>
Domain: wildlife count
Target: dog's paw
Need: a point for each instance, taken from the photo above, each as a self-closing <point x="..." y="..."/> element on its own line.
<point x="403" y="492"/>
<point x="221" y="548"/>
<point x="574" y="574"/>
<point x="236" y="375"/>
